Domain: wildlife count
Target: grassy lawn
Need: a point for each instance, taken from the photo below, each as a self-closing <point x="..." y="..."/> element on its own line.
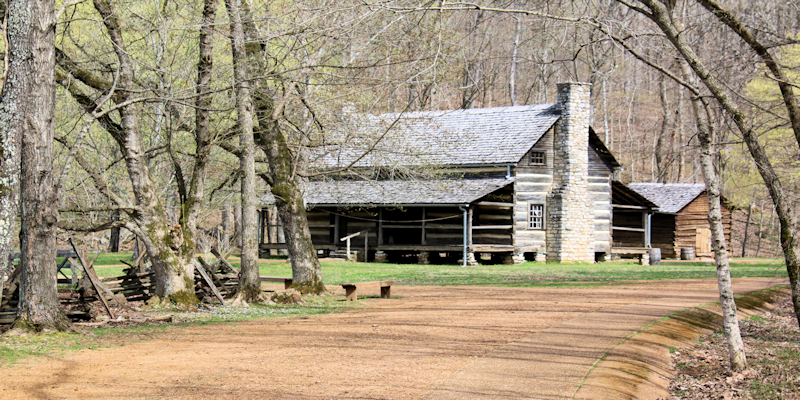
<point x="528" y="274"/>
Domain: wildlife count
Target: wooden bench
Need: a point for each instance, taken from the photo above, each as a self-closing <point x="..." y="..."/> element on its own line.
<point x="350" y="289"/>
<point x="286" y="281"/>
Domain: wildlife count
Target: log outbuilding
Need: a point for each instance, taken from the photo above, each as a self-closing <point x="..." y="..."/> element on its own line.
<point x="681" y="221"/>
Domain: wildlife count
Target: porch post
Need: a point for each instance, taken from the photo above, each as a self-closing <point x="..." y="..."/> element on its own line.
<point x="465" y="235"/>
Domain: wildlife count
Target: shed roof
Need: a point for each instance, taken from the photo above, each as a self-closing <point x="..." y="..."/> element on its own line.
<point x="500" y="135"/>
<point x="623" y="195"/>
<point x="670" y="197"/>
<point x="398" y="192"/>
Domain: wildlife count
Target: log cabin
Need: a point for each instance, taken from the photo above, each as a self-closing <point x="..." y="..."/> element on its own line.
<point x="499" y="185"/>
<point x="681" y="220"/>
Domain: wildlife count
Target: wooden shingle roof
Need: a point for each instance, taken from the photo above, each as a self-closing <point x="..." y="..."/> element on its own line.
<point x="621" y="194"/>
<point x="397" y="192"/>
<point x="482" y="136"/>
<point x="670" y="197"/>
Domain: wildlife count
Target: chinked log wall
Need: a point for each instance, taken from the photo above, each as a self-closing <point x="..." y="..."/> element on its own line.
<point x="489" y="227"/>
<point x="692" y="220"/>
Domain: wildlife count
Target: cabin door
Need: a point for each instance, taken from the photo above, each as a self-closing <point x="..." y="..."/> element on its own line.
<point x="703" y="240"/>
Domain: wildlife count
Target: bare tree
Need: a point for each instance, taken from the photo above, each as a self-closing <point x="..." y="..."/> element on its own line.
<point x="31" y="89"/>
<point x="660" y="15"/>
<point x="249" y="284"/>
<point x="171" y="247"/>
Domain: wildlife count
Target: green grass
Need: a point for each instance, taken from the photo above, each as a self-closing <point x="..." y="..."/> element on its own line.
<point x="528" y="274"/>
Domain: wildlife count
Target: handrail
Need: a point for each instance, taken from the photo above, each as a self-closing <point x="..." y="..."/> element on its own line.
<point x="366" y="244"/>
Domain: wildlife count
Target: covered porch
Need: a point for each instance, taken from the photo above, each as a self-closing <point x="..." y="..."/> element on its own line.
<point x="419" y="221"/>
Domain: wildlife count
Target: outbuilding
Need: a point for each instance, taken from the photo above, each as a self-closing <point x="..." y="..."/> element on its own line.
<point x="681" y="221"/>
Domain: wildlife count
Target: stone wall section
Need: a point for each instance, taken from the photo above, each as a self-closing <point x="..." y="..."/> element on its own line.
<point x="570" y="208"/>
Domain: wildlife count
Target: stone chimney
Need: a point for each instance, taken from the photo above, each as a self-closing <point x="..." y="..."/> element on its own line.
<point x="570" y="209"/>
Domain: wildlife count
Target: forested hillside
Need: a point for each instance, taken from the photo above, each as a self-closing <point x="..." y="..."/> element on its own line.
<point x="318" y="61"/>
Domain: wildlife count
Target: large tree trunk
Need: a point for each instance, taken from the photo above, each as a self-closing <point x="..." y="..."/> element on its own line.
<point x="13" y="102"/>
<point x="39" y="309"/>
<point x="169" y="252"/>
<point x="306" y="270"/>
<point x="249" y="283"/>
<point x="285" y="182"/>
<point x="285" y="186"/>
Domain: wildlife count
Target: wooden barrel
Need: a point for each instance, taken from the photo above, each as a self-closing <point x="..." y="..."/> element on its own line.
<point x="655" y="256"/>
<point x="687" y="253"/>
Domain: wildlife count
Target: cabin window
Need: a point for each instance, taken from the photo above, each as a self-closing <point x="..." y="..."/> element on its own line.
<point x="537" y="157"/>
<point x="535" y="216"/>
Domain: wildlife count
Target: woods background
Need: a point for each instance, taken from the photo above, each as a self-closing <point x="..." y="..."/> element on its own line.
<point x="325" y="59"/>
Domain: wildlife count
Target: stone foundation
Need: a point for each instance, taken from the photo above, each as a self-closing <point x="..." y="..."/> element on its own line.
<point x="423" y="258"/>
<point x="471" y="260"/>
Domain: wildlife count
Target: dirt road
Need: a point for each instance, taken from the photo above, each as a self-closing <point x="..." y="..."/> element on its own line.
<point x="427" y="342"/>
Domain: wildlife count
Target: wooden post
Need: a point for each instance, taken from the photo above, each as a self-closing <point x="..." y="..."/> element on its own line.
<point x="209" y="282"/>
<point x="93" y="279"/>
<point x="366" y="247"/>
<point x="423" y="226"/>
<point x="336" y="229"/>
<point x="380" y="228"/>
<point x="469" y="227"/>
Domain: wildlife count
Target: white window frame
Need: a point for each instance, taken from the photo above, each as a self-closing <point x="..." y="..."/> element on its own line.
<point x="536" y="216"/>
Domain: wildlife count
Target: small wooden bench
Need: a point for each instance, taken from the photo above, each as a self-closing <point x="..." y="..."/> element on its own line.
<point x="286" y="281"/>
<point x="350" y="289"/>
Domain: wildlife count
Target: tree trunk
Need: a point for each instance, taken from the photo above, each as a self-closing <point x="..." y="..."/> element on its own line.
<point x="746" y="229"/>
<point x="736" y="354"/>
<point x="512" y="78"/>
<point x="661" y="161"/>
<point x="249" y="283"/>
<point x="39" y="309"/>
<point x="237" y="223"/>
<point x="113" y="241"/>
<point x="227" y="227"/>
<point x="306" y="270"/>
<point x="169" y="252"/>
<point x="783" y="206"/>
<point x="13" y="104"/>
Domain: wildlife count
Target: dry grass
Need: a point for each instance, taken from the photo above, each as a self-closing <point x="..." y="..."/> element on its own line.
<point x="772" y="345"/>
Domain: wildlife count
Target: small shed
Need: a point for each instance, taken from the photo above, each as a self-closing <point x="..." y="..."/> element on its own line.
<point x="682" y="217"/>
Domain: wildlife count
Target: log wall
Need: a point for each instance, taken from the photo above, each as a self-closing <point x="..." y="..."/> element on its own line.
<point x="692" y="221"/>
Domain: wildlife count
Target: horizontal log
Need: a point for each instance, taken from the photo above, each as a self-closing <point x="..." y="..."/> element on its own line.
<point x="624" y="228"/>
<point x="444" y="236"/>
<point x="494" y="204"/>
<point x="485" y="236"/>
<point x="445" y="226"/>
<point x="493" y="227"/>
<point x="626" y="207"/>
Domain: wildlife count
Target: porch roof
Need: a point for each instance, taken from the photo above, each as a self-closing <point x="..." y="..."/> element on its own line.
<point x="397" y="192"/>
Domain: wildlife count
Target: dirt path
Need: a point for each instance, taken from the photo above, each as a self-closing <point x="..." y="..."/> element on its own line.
<point x="427" y="342"/>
